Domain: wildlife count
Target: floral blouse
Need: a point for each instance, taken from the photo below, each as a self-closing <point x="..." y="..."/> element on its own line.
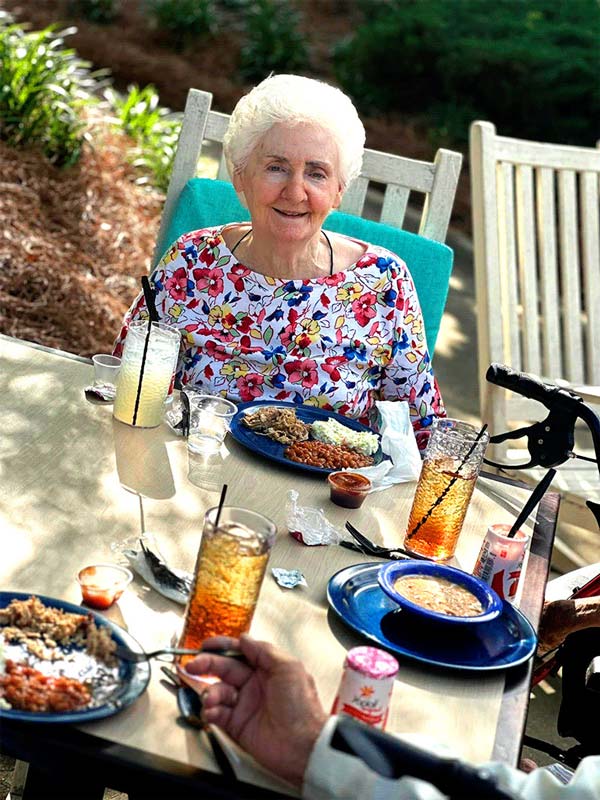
<point x="338" y="342"/>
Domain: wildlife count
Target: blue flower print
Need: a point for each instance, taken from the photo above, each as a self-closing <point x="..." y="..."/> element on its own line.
<point x="296" y="296"/>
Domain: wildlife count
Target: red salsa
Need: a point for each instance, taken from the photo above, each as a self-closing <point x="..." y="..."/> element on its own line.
<point x="348" y="489"/>
<point x="103" y="584"/>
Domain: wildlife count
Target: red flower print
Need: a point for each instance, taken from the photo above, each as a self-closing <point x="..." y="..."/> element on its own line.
<point x="207" y="257"/>
<point x="333" y="280"/>
<point x="249" y="386"/>
<point x="216" y="351"/>
<point x="176" y="285"/>
<point x="244" y="324"/>
<point x="240" y="272"/>
<point x="330" y="366"/>
<point x="303" y="341"/>
<point x="366" y="260"/>
<point x="302" y="371"/>
<point x="209" y="279"/>
<point x="363" y="308"/>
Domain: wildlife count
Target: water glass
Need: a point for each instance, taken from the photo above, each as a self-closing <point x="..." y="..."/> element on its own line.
<point x="229" y="572"/>
<point x="210" y="419"/>
<point x="141" y="393"/>
<point x="450" y="468"/>
<point x="106" y="370"/>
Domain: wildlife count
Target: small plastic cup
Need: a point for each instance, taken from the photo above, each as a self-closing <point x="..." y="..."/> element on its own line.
<point x="348" y="489"/>
<point x="210" y="419"/>
<point x="102" y="584"/>
<point x="106" y="369"/>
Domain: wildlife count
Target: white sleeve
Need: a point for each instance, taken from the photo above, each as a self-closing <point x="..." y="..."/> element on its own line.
<point x="333" y="775"/>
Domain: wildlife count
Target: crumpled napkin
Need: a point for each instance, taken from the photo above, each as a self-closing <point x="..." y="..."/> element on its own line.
<point x="309" y="525"/>
<point x="399" y="443"/>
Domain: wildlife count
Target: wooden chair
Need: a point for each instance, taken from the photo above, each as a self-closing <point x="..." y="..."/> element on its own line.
<point x="437" y="180"/>
<point x="537" y="278"/>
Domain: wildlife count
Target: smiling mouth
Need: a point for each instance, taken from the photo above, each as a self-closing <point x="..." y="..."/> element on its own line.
<point x="291" y="214"/>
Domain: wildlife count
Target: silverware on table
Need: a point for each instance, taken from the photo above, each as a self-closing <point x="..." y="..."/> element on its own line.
<point x="190" y="708"/>
<point x="364" y="545"/>
<point x="126" y="654"/>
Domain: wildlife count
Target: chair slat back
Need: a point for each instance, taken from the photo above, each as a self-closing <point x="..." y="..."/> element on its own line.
<point x="537" y="264"/>
<point x="437" y="181"/>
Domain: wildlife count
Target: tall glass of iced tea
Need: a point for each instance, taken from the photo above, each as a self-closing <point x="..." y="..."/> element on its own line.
<point x="229" y="571"/>
<point x="450" y="468"/>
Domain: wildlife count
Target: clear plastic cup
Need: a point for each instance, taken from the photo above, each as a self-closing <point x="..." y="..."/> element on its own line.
<point x="106" y="370"/>
<point x="210" y="419"/>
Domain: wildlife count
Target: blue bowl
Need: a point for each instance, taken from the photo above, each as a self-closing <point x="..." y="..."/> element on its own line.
<point x="491" y="602"/>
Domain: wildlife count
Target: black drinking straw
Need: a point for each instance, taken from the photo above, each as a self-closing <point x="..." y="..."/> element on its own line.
<point x="534" y="499"/>
<point x="220" y="508"/>
<point x="426" y="516"/>
<point x="152" y="317"/>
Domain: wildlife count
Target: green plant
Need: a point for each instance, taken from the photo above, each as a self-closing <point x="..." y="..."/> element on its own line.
<point x="531" y="66"/>
<point x="154" y="130"/>
<point x="183" y="20"/>
<point x="273" y="41"/>
<point x="102" y="11"/>
<point x="43" y="89"/>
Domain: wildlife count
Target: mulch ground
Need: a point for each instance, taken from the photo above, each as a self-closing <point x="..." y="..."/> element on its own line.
<point x="73" y="244"/>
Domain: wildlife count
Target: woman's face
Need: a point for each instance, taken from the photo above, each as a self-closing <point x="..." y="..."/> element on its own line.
<point x="291" y="182"/>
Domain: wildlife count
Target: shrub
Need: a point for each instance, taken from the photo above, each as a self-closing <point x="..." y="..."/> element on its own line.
<point x="102" y="11"/>
<point x="154" y="130"/>
<point x="44" y="87"/>
<point x="183" y="20"/>
<point x="531" y="67"/>
<point x="273" y="41"/>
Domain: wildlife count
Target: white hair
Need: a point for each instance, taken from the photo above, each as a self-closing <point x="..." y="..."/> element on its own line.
<point x="292" y="99"/>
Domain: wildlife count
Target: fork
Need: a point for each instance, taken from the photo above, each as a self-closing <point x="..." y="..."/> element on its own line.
<point x="368" y="547"/>
<point x="123" y="652"/>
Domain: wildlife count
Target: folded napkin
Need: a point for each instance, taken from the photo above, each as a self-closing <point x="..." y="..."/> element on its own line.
<point x="399" y="443"/>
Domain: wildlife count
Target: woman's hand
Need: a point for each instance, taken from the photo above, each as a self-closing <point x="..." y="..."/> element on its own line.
<point x="270" y="707"/>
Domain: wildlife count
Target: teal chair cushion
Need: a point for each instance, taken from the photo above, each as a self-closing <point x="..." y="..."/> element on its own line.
<point x="205" y="203"/>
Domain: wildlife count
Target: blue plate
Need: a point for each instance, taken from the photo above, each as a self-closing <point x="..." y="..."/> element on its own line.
<point x="355" y="595"/>
<point x="269" y="448"/>
<point x="132" y="678"/>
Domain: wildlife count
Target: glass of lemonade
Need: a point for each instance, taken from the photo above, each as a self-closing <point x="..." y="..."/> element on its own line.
<point x="450" y="468"/>
<point x="153" y="384"/>
<point x="229" y="571"/>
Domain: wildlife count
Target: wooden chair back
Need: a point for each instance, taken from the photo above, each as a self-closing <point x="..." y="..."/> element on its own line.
<point x="435" y="180"/>
<point x="537" y="267"/>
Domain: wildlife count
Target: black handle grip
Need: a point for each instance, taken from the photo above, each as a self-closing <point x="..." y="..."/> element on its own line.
<point x="522" y="383"/>
<point x="393" y="758"/>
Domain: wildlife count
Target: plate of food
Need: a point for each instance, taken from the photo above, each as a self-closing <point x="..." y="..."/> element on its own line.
<point x="305" y="437"/>
<point x="57" y="662"/>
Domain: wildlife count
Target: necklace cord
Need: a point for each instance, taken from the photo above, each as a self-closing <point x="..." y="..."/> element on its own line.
<point x="327" y="239"/>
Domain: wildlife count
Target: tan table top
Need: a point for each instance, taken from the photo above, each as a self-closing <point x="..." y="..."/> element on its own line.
<point x="63" y="505"/>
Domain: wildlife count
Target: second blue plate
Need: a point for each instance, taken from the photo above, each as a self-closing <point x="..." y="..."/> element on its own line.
<point x="355" y="595"/>
<point x="132" y="678"/>
<point x="269" y="448"/>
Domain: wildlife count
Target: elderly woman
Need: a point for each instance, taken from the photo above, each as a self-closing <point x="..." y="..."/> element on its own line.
<point x="278" y="308"/>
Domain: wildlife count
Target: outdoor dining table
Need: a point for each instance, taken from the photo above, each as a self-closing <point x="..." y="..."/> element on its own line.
<point x="76" y="485"/>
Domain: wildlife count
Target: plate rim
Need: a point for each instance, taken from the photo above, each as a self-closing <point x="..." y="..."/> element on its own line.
<point x="136" y="686"/>
<point x="348" y="421"/>
<point x="412" y="655"/>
